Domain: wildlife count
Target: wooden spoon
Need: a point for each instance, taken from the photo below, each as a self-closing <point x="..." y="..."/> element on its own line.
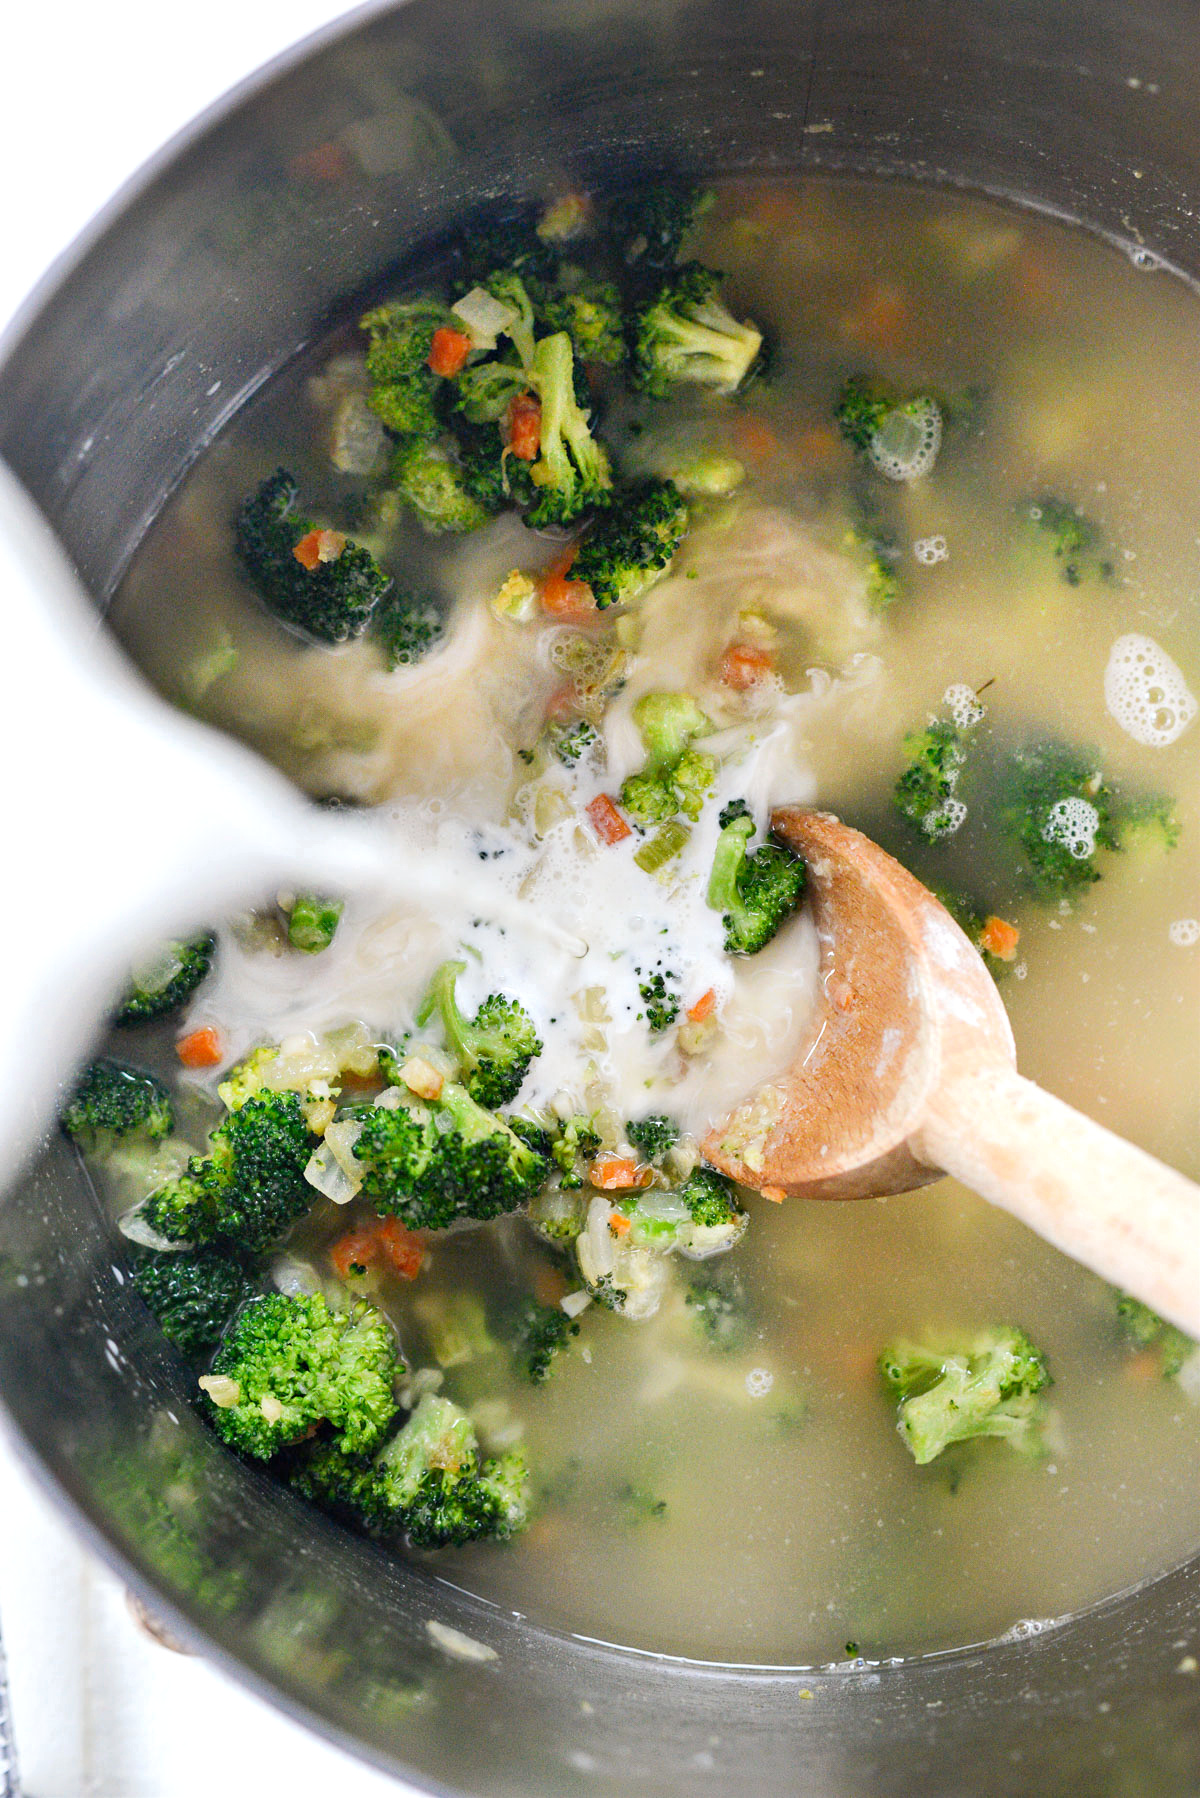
<point x="909" y="1072"/>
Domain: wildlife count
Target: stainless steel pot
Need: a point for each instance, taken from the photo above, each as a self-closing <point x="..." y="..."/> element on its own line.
<point x="221" y="261"/>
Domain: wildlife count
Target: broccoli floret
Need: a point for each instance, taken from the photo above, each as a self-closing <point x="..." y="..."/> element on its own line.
<point x="538" y="1333"/>
<point x="676" y="776"/>
<point x="427" y="1483"/>
<point x="756" y="893"/>
<point x="686" y="335"/>
<point x="925" y="792"/>
<point x="113" y="1101"/>
<point x="193" y="1294"/>
<point x="165" y="981"/>
<point x="719" y="1311"/>
<point x="495" y="1048"/>
<point x="428" y="477"/>
<point x="430" y="1164"/>
<point x="316" y="580"/>
<point x="573" y="742"/>
<point x="572" y="472"/>
<point x="1074" y="541"/>
<point x="589" y="312"/>
<point x="558" y="1213"/>
<point x="987" y="1387"/>
<point x="700" y="1218"/>
<point x="313" y="922"/>
<point x="406" y="628"/>
<point x="485" y="390"/>
<point x="1058" y="807"/>
<point x="860" y="409"/>
<point x="901" y="437"/>
<point x="661" y="999"/>
<point x="490" y="474"/>
<point x="653" y="1136"/>
<point x="291" y="1365"/>
<point x="248" y="1188"/>
<point x="403" y="386"/>
<point x="511" y="244"/>
<point x="578" y="1142"/>
<point x="1145" y="1329"/>
<point x="647" y="225"/>
<point x="633" y="544"/>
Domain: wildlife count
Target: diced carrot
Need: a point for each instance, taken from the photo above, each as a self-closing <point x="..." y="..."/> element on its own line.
<point x="703" y="1007"/>
<point x="1000" y="938"/>
<point x="317" y="547"/>
<point x="329" y="161"/>
<point x="617" y="1173"/>
<point x="357" y="1249"/>
<point x="566" y="599"/>
<point x="754" y="438"/>
<point x="201" y="1048"/>
<point x="881" y="322"/>
<point x="448" y="350"/>
<point x="606" y="820"/>
<point x="404" y="1253"/>
<point x="619" y="1224"/>
<point x="523" y="426"/>
<point x="743" y="665"/>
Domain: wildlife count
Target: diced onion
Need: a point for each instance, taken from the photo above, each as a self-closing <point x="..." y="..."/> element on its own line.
<point x="134" y="1227"/>
<point x="484" y="316"/>
<point x="333" y="1168"/>
<point x="575" y="1302"/>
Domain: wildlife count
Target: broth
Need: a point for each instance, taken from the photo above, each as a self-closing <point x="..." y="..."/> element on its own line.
<point x="755" y="1503"/>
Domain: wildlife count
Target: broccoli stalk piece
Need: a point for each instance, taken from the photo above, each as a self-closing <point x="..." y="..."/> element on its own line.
<point x="248" y="1188"/>
<point x="675" y="777"/>
<point x="427" y="477"/>
<point x="290" y="1365"/>
<point x="312" y="922"/>
<point x="572" y="471"/>
<point x="686" y="336"/>
<point x="496" y="1047"/>
<point x="925" y="792"/>
<point x="406" y="628"/>
<point x="1145" y="1329"/>
<point x="113" y="1101"/>
<point x="166" y="980"/>
<point x="431" y="1163"/>
<point x="989" y="1387"/>
<point x="653" y="1137"/>
<point x="756" y="893"/>
<point x="403" y="386"/>
<point x="316" y="580"/>
<point x="632" y="545"/>
<point x="700" y="1218"/>
<point x="428" y="1483"/>
<point x="538" y="1333"/>
<point x="192" y="1294"/>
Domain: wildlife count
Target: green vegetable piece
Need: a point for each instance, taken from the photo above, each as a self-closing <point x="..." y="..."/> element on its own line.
<point x="632" y="545"/>
<point x="663" y="847"/>
<point x="925" y="792"/>
<point x="495" y="1048"/>
<point x="166" y="981"/>
<point x="661" y="999"/>
<point x="113" y="1102"/>
<point x="333" y="599"/>
<point x="406" y="628"/>
<point x="248" y="1188"/>
<point x="687" y="336"/>
<point x="1145" y="1329"/>
<point x="431" y="1164"/>
<point x="193" y="1294"/>
<point x="403" y="386"/>
<point x="429" y="478"/>
<point x="538" y="1334"/>
<point x="755" y="892"/>
<point x="989" y="1386"/>
<point x="653" y="1136"/>
<point x="313" y="922"/>
<point x="572" y="473"/>
<point x="1074" y="542"/>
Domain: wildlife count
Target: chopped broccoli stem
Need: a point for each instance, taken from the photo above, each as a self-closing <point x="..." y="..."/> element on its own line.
<point x="329" y="593"/>
<point x="572" y="473"/>
<point x="495" y="1048"/>
<point x="406" y="628"/>
<point x="113" y="1101"/>
<point x="686" y="335"/>
<point x="313" y="922"/>
<point x="427" y="1483"/>
<point x="538" y="1333"/>
<point x="755" y="892"/>
<point x="431" y="1164"/>
<point x="248" y="1188"/>
<point x="165" y="981"/>
<point x="290" y="1365"/>
<point x="989" y="1386"/>
<point x="633" y="544"/>
<point x="193" y="1294"/>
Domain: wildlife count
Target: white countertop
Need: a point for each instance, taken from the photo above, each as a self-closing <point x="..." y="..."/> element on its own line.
<point x="100" y="1710"/>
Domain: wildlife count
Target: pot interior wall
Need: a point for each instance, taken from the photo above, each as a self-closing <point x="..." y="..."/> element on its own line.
<point x="220" y="265"/>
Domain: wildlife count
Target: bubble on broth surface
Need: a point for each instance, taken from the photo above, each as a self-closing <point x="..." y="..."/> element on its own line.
<point x="907" y="442"/>
<point x="930" y="550"/>
<point x="1146" y="693"/>
<point x="964" y="707"/>
<point x="948" y="818"/>
<point x="1073" y="824"/>
<point x="1184" y="932"/>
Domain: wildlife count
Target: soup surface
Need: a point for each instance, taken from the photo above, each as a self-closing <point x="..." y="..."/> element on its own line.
<point x="743" y="1494"/>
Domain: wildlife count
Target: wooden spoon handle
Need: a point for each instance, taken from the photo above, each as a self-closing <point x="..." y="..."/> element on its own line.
<point x="1100" y="1200"/>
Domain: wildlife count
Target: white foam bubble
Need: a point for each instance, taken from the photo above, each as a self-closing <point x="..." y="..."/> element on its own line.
<point x="1073" y="824"/>
<point x="1184" y="932"/>
<point x="907" y="442"/>
<point x="962" y="704"/>
<point x="948" y="818"/>
<point x="1146" y="693"/>
<point x="759" y="1381"/>
<point x="930" y="550"/>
